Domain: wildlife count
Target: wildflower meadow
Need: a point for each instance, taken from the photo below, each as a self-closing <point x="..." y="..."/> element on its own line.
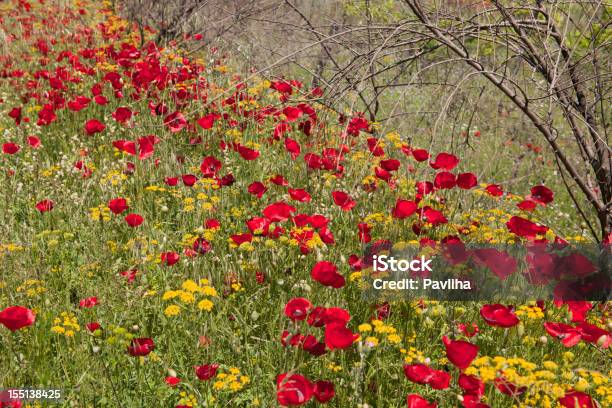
<point x="176" y="233"/>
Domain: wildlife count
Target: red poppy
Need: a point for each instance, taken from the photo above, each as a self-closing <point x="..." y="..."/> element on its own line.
<point x="416" y="401"/>
<point x="45" y="205"/>
<point x="210" y="166"/>
<point x="324" y="391"/>
<point x="146" y="146"/>
<point x="293" y="147"/>
<point x="473" y="401"/>
<point x="17" y="317"/>
<point x="343" y="200"/>
<point x="292" y="113"/>
<point x="445" y="180"/>
<point x="299" y="194"/>
<point x="327" y="274"/>
<point x="34" y="142"/>
<point x="239" y="239"/>
<point x="297" y="308"/>
<point x="460" y="352"/>
<point x="525" y="228"/>
<point x="169" y="258"/>
<point x="313" y="161"/>
<point x="494" y="190"/>
<point x="247" y="153"/>
<point x="390" y="165"/>
<point x="122" y="114"/>
<point x="141" y="346"/>
<point x="542" y="194"/>
<point x="423" y="374"/>
<point x="206" y="372"/>
<point x="118" y="205"/>
<point x="212" y="223"/>
<point x="424" y="187"/>
<point x="335" y="315"/>
<point x="499" y="262"/>
<point x="356" y="125"/>
<point x="577" y="308"/>
<point x="257" y="188"/>
<point x="279" y="180"/>
<point x="375" y="146"/>
<point x="595" y="335"/>
<point x="93" y="126"/>
<point x="278" y="211"/>
<point x="125" y="146"/>
<point x="293" y="389"/>
<point x="93" y="326"/>
<point x="207" y="121"/>
<point x="444" y="161"/>
<point x="15" y="114"/>
<point x="404" y="209"/>
<point x="527" y="205"/>
<point x="88" y="302"/>
<point x="338" y="336"/>
<point x="568" y="335"/>
<point x="471" y="385"/>
<point x="364" y="232"/>
<point x="171" y="181"/>
<point x="10" y="148"/>
<point x="46" y="115"/>
<point x="189" y="179"/>
<point x="172" y="381"/>
<point x="434" y="217"/>
<point x="498" y="315"/>
<point x="466" y="180"/>
<point x="175" y="122"/>
<point x="134" y="220"/>
<point x="420" y="155"/>
<point x="577" y="399"/>
<point x="281" y="86"/>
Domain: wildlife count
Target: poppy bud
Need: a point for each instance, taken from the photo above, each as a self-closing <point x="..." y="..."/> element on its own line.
<point x="602" y="340"/>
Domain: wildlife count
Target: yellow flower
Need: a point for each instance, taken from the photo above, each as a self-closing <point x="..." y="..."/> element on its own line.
<point x="205" y="305"/>
<point x="209" y="291"/>
<point x="190" y="286"/>
<point x="371" y="341"/>
<point x="365" y="327"/>
<point x="394" y="338"/>
<point x="172" y="310"/>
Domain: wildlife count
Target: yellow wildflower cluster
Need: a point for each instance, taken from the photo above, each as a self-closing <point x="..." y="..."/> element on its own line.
<point x="530" y="311"/>
<point x="188" y="294"/>
<point x="412" y="355"/>
<point x="543" y="385"/>
<point x="232" y="380"/>
<point x="10" y="248"/>
<point x="384" y="331"/>
<point x="100" y="213"/>
<point x="32" y="287"/>
<point x="66" y="324"/>
<point x="113" y="178"/>
<point x="187" y="400"/>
